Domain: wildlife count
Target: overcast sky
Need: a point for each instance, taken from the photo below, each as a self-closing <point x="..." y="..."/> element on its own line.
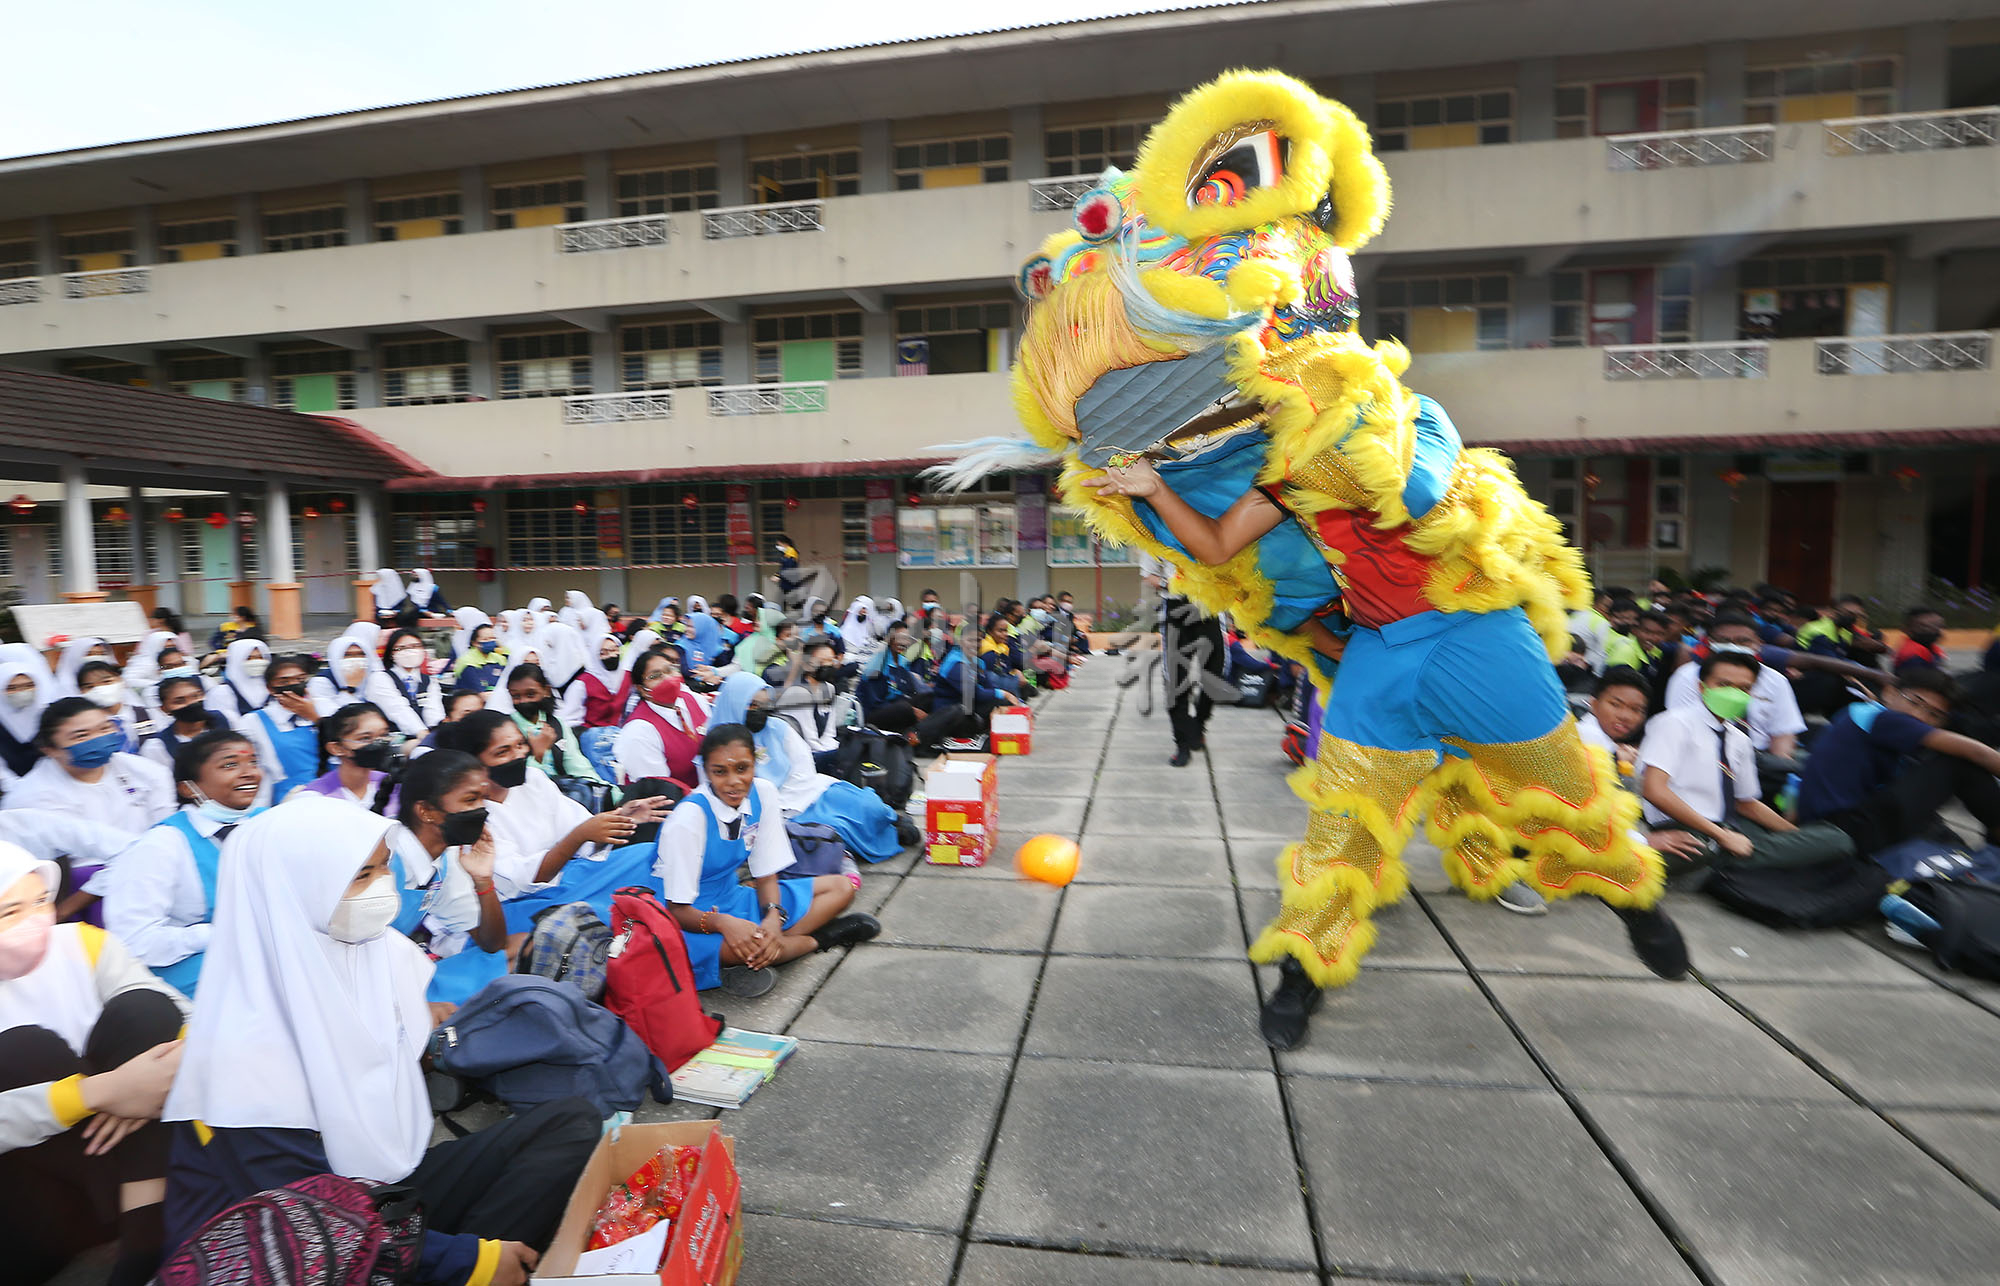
<point x="117" y="70"/>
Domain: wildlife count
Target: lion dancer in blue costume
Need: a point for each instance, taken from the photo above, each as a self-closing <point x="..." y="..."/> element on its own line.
<point x="1190" y="358"/>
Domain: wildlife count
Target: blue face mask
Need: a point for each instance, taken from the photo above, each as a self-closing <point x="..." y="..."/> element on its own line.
<point x="221" y="815"/>
<point x="96" y="752"/>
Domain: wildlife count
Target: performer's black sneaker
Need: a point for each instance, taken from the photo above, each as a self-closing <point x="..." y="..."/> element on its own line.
<point x="846" y="930"/>
<point x="1283" y="1017"/>
<point x="1655" y="940"/>
<point x="1181" y="757"/>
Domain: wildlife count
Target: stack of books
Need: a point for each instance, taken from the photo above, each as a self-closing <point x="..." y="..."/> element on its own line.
<point x="728" y="1072"/>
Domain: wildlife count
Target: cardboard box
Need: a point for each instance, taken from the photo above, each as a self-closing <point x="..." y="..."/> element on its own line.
<point x="1013" y="730"/>
<point x="705" y="1247"/>
<point x="961" y="809"/>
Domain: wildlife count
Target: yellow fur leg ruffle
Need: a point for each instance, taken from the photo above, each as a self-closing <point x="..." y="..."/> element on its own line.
<point x="1323" y="923"/>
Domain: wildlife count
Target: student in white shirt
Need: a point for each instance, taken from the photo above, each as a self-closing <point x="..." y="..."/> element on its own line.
<point x="1774" y="722"/>
<point x="815" y="703"/>
<point x="354" y="673"/>
<point x="1616" y="712"/>
<point x="284" y="725"/>
<point x="409" y="670"/>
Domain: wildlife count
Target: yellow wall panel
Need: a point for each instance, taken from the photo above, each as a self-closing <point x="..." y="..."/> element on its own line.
<point x="538" y="216"/>
<point x="417" y="229"/>
<point x="958" y="176"/>
<point x="1425" y="136"/>
<point x="1443" y="330"/>
<point x="199" y="251"/>
<point x="100" y="262"/>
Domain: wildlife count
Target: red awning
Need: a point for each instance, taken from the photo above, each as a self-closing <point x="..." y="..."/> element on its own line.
<point x="639" y="477"/>
<point x="1724" y="444"/>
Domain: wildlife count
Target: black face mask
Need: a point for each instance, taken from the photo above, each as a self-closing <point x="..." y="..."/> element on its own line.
<point x="464" y="827"/>
<point x="827" y="673"/>
<point x="510" y="774"/>
<point x="535" y="710"/>
<point x="1925" y="636"/>
<point x="755" y="720"/>
<point x="194" y="715"/>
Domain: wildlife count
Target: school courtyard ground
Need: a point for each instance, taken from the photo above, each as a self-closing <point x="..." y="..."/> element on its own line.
<point x="1022" y="1084"/>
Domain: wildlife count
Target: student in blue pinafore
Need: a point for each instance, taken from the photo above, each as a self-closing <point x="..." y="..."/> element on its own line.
<point x="161" y="904"/>
<point x="441" y="858"/>
<point x="285" y="729"/>
<point x="735" y="932"/>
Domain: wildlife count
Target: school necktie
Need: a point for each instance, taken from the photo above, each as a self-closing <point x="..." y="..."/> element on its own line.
<point x="1728" y="781"/>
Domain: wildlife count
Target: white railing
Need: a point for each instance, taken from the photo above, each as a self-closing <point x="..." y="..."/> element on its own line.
<point x="766" y="399"/>
<point x="762" y="220"/>
<point x="107" y="281"/>
<point x="1913" y="132"/>
<point x="1724" y="360"/>
<point x="1961" y="350"/>
<point x="616" y="408"/>
<point x="1060" y="193"/>
<point x="20" y="290"/>
<point x="1682" y="148"/>
<point x="628" y="233"/>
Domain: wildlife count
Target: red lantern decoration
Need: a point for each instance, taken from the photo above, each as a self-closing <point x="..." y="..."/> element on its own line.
<point x="791" y="502"/>
<point x="690" y="501"/>
<point x="248" y="517"/>
<point x="21" y="505"/>
<point x="175" y="514"/>
<point x="913" y="498"/>
<point x="310" y="512"/>
<point x="580" y="507"/>
<point x="217" y="518"/>
<point x="1906" y="475"/>
<point x="1733" y="478"/>
<point x="1590" y="484"/>
<point x="337" y="505"/>
<point x="479" y="506"/>
<point x="117" y="513"/>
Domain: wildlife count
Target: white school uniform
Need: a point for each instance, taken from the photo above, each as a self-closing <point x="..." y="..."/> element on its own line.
<point x="1683" y="744"/>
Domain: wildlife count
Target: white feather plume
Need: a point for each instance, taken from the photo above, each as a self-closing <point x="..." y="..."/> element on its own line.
<point x="983" y="457"/>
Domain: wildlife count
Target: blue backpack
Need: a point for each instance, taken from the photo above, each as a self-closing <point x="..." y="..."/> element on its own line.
<point x="528" y="1040"/>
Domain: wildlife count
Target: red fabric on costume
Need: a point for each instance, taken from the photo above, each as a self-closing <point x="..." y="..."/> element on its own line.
<point x="1381" y="580"/>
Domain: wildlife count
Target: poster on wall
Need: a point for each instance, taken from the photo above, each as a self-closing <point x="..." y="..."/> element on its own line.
<point x="881" y="516"/>
<point x="742" y="539"/>
<point x="610" y="526"/>
<point x="1069" y="538"/>
<point x="1031" y="511"/>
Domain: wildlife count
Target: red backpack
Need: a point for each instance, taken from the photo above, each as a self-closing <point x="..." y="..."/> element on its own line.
<point x="649" y="982"/>
<point x="320" y="1231"/>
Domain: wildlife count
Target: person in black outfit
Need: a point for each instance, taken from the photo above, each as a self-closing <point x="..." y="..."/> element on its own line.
<point x="1192" y="655"/>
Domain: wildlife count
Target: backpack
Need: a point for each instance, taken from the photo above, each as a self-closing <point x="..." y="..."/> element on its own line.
<point x="816" y="848"/>
<point x="1925" y="858"/>
<point x="1254" y="689"/>
<point x="528" y="1041"/>
<point x="1844" y="891"/>
<point x="1294" y="743"/>
<point x="883" y="765"/>
<point x="322" y="1230"/>
<point x="569" y="944"/>
<point x="1967" y="938"/>
<point x="650" y="983"/>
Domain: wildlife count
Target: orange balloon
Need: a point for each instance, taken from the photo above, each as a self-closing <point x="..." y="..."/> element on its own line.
<point x="1051" y="859"/>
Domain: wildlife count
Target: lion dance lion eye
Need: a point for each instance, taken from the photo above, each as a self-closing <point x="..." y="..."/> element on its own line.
<point x="1253" y="162"/>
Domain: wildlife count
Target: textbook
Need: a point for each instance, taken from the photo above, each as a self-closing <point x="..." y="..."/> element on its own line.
<point x="728" y="1072"/>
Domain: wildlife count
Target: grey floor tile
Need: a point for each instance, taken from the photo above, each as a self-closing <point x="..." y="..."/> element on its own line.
<point x="950" y="907"/>
<point x="1441" y="1181"/>
<point x="1174" y="1161"/>
<point x="1012" y="1266"/>
<point x="1036" y="816"/>
<point x="971" y="1002"/>
<point x="785" y="1252"/>
<point x="1053" y="777"/>
<point x="1578" y="935"/>
<point x="1652" y="1038"/>
<point x="1894" y="1047"/>
<point x="1191" y="813"/>
<point x="1919" y="962"/>
<point x="1199" y="1013"/>
<point x="1730" y="947"/>
<point x="1802" y="1193"/>
<point x="1283" y="818"/>
<point x="775" y="1009"/>
<point x="896" y="1134"/>
<point x="1413" y="1026"/>
<point x="1153" y="860"/>
<point x="1971" y="1140"/>
<point x="1124" y="921"/>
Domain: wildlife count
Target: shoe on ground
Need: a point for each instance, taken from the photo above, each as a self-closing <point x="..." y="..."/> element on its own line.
<point x="742" y="980"/>
<point x="907" y="833"/>
<point x="1181" y="758"/>
<point x="1656" y="941"/>
<point x="1522" y="900"/>
<point x="1283" y="1018"/>
<point x="846" y="931"/>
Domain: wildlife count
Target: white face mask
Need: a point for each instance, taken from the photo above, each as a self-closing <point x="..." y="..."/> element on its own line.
<point x="354" y="669"/>
<point x="409" y="657"/>
<point x="368" y="914"/>
<point x="179" y="672"/>
<point x="21" y="700"/>
<point x="255" y="666"/>
<point x="105" y="697"/>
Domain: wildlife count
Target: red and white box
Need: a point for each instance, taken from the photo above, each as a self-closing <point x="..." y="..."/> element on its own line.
<point x="961" y="809"/>
<point x="704" y="1246"/>
<point x="1012" y="730"/>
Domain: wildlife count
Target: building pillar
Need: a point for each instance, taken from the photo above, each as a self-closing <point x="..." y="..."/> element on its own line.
<point x="744" y="579"/>
<point x="145" y="244"/>
<point x="367" y="391"/>
<point x="605" y="377"/>
<point x="241" y="592"/>
<point x="280" y="576"/>
<point x="613" y="587"/>
<point x="885" y="577"/>
<point x="875" y="157"/>
<point x="142" y="589"/>
<point x="1535" y="100"/>
<point x="360" y="212"/>
<point x="367" y="552"/>
<point x="735" y="352"/>
<point x="732" y="171"/>
<point x="1723" y="65"/>
<point x="1926" y="83"/>
<point x="79" y="541"/>
<point x="257" y="378"/>
<point x="479" y="367"/>
<point x="1913" y="304"/>
<point x="878" y="345"/>
<point x="492" y="533"/>
<point x="600" y="194"/>
<point x="1031" y="573"/>
<point x="167" y="558"/>
<point x="48" y="247"/>
<point x="472" y="196"/>
<point x="249" y="225"/>
<point x="1025" y="124"/>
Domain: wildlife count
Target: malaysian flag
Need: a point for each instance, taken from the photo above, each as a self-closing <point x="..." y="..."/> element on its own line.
<point x="913" y="357"/>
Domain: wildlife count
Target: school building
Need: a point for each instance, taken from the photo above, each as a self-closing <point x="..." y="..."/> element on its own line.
<point x="1724" y="281"/>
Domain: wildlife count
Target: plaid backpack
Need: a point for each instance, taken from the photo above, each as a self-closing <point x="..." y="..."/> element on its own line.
<point x="320" y="1231"/>
<point x="569" y="944"/>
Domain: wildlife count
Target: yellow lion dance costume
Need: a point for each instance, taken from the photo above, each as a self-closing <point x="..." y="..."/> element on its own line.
<point x="1190" y="357"/>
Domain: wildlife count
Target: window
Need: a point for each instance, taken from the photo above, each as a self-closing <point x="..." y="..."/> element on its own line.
<point x="313" y="379"/>
<point x="1819" y="91"/>
<point x="1669" y="499"/>
<point x="108" y="372"/>
<point x="114" y="545"/>
<point x="670" y="355"/>
<point x="552" y="364"/>
<point x="438" y="532"/>
<point x="1450" y="120"/>
<point x="663" y="529"/>
<point x="806" y="176"/>
<point x="17" y="259"/>
<point x="96" y="251"/>
<point x="854" y="530"/>
<point x="1457" y="314"/>
<point x="425" y="372"/>
<point x="312" y="229"/>
<point x="544" y="529"/>
<point x="209" y="375"/>
<point x="668" y="191"/>
<point x="956" y="536"/>
<point x="203" y="239"/>
<point x="1797" y="296"/>
<point x="804" y="347"/>
<point x="1092" y="149"/>
<point x="951" y="163"/>
<point x="1628" y="107"/>
<point x="190" y="529"/>
<point x="411" y="218"/>
<point x="1611" y="306"/>
<point x="952" y="339"/>
<point x="536" y="205"/>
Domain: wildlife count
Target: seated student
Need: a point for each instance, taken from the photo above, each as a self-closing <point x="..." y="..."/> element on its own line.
<point x="166" y="618"/>
<point x="999" y="662"/>
<point x="1697" y="773"/>
<point x="389" y="595"/>
<point x="26" y="688"/>
<point x="1617" y="712"/>
<point x="705" y="633"/>
<point x="481" y="661"/>
<point x="284" y="727"/>
<point x="101" y="684"/>
<point x="662" y="731"/>
<point x="241" y="689"/>
<point x="948" y="716"/>
<point x="1881" y="772"/>
<point x="544" y="842"/>
<point x="344" y="734"/>
<point x="760" y="650"/>
<point x="422" y="598"/>
<point x="734" y="820"/>
<point x="242" y="624"/>
<point x="812" y="699"/>
<point x="865" y="823"/>
<point x="891" y="694"/>
<point x="458" y="703"/>
<point x="1774" y="618"/>
<point x="354" y="674"/>
<point x="163" y="898"/>
<point x="1649" y="649"/>
<point x="87" y="1052"/>
<point x="184" y="715"/>
<point x="1774" y="721"/>
<point x="1590" y="627"/>
<point x="442" y="861"/>
<point x="1922" y="627"/>
<point x="1623" y="614"/>
<point x="596" y="699"/>
<point x="551" y="744"/>
<point x="144" y="667"/>
<point x="1079" y="641"/>
<point x="409" y="671"/>
<point x="303" y="1059"/>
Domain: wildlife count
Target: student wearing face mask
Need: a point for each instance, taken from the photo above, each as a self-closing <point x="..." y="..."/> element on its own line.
<point x="482" y="660"/>
<point x="101" y="684"/>
<point x="285" y="727"/>
<point x="599" y="697"/>
<point x="350" y="741"/>
<point x="87" y="1053"/>
<point x="551" y="745"/>
<point x="183" y="717"/>
<point x="144" y="668"/>
<point x="164" y="897"/>
<point x="304" y="1058"/>
<point x="869" y="828"/>
<point x="812" y="699"/>
<point x="354" y="673"/>
<point x="409" y="670"/>
<point x="705" y="634"/>
<point x="891" y="694"/>
<point x="25" y="691"/>
<point x="662" y="733"/>
<point x="72" y="657"/>
<point x="242" y="689"/>
<point x="442" y="861"/>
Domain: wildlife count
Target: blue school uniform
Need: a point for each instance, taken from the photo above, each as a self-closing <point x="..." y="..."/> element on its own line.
<point x="298" y="754"/>
<point x="456" y="977"/>
<point x="184" y="975"/>
<point x="590" y="881"/>
<point x="721" y="858"/>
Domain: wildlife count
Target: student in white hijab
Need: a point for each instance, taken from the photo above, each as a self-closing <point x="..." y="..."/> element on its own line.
<point x="25" y="691"/>
<point x="857" y="631"/>
<point x="539" y="605"/>
<point x="468" y="619"/>
<point x="354" y="673"/>
<point x="242" y="689"/>
<point x="303" y="1057"/>
<point x="424" y="598"/>
<point x="389" y="595"/>
<point x="87" y="1053"/>
<point x="70" y="660"/>
<point x="142" y="671"/>
<point x="575" y="604"/>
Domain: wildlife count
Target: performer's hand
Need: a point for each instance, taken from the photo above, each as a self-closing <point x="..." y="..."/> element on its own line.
<point x="1137" y="480"/>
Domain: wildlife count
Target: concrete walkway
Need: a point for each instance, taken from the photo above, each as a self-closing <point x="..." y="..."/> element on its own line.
<point x="1020" y="1084"/>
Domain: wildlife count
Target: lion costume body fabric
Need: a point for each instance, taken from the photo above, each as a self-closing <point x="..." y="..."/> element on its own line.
<point x="1201" y="316"/>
